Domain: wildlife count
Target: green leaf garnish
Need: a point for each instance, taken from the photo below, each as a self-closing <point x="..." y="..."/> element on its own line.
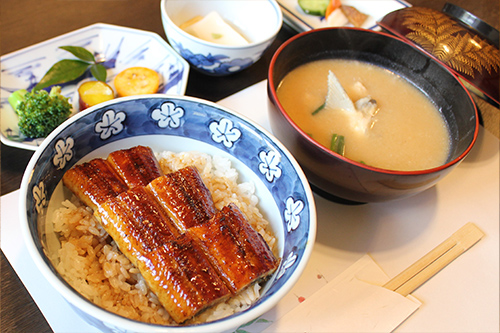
<point x="70" y="69"/>
<point x="79" y="52"/>
<point x="98" y="71"/>
<point x="216" y="36"/>
<point x="62" y="71"/>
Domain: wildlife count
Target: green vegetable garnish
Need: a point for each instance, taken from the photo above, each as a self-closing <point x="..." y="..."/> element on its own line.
<point x="314" y="7"/>
<point x="321" y="107"/>
<point x="16" y="98"/>
<point x="41" y="112"/>
<point x="70" y="69"/>
<point x="216" y="36"/>
<point x="338" y="144"/>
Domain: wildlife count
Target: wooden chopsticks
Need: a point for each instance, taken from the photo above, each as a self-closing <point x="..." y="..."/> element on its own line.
<point x="423" y="269"/>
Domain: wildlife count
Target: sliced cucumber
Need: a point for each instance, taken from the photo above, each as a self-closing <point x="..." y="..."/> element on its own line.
<point x="314" y="7"/>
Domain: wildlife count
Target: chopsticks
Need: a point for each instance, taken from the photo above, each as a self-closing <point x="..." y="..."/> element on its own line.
<point x="426" y="267"/>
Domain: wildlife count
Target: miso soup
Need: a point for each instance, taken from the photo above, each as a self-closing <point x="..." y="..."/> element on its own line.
<point x="406" y="131"/>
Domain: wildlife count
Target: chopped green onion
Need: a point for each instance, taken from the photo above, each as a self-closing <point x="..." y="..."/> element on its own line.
<point x="322" y="106"/>
<point x="338" y="144"/>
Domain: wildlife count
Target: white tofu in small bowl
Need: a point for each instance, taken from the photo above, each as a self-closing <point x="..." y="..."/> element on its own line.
<point x="221" y="37"/>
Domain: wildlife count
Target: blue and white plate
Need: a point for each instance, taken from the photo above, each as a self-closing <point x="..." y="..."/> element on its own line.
<point x="178" y="124"/>
<point x="294" y="16"/>
<point x="118" y="47"/>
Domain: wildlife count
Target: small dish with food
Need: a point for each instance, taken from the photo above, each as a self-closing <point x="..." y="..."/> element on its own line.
<point x="116" y="48"/>
<point x="221" y="38"/>
<point x="134" y="208"/>
<point x="305" y="15"/>
<point x="368" y="116"/>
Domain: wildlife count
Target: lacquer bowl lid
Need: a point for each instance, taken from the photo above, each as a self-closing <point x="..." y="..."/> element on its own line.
<point x="463" y="43"/>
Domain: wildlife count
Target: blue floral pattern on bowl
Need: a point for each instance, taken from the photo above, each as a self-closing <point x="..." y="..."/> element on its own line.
<point x="176" y="123"/>
<point x="118" y="48"/>
<point x="215" y="65"/>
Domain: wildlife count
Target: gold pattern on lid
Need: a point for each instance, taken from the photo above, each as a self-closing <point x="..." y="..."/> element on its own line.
<point x="450" y="42"/>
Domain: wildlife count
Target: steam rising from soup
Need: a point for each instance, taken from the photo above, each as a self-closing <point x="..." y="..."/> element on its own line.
<point x="405" y="132"/>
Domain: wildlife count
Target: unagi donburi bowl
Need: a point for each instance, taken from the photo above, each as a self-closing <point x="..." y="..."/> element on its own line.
<point x="339" y="178"/>
<point x="285" y="198"/>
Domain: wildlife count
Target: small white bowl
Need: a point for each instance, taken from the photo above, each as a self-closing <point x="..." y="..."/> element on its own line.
<point x="259" y="22"/>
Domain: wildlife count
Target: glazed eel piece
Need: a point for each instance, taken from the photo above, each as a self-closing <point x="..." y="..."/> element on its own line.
<point x="174" y="266"/>
<point x="237" y="251"/>
<point x="96" y="181"/>
<point x="184" y="196"/>
<point x="137" y="166"/>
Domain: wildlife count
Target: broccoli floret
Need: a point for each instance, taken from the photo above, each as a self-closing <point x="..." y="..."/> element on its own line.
<point x="16" y="98"/>
<point x="41" y="112"/>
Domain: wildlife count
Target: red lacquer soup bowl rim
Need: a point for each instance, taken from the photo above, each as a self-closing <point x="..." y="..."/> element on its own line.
<point x="274" y="98"/>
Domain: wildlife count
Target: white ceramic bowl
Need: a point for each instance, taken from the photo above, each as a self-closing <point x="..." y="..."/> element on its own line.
<point x="284" y="194"/>
<point x="258" y="20"/>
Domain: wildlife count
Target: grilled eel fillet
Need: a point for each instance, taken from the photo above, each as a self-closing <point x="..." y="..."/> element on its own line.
<point x="98" y="180"/>
<point x="190" y="255"/>
<point x="94" y="182"/>
<point x="176" y="268"/>
<point x="237" y="251"/>
<point x="137" y="166"/>
<point x="184" y="196"/>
